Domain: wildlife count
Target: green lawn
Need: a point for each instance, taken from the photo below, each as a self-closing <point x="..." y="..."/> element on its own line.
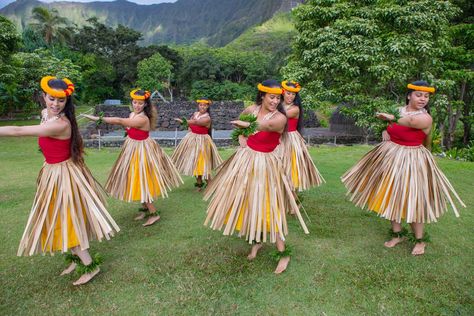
<point x="181" y="267"/>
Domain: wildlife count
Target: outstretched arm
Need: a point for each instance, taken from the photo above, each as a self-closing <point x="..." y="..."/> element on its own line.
<point x="57" y="128"/>
<point x="136" y="122"/>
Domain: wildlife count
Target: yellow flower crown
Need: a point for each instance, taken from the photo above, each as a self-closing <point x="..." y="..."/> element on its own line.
<point x="266" y="89"/>
<point x="54" y="92"/>
<point x="421" y="88"/>
<point x="140" y="97"/>
<point x="294" y="89"/>
<point x="208" y="102"/>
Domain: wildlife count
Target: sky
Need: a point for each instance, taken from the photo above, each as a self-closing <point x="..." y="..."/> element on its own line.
<point x="6" y="2"/>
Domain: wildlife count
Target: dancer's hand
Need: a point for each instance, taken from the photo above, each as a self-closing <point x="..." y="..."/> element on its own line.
<point x="239" y="123"/>
<point x="180" y="121"/>
<point x="385" y="136"/>
<point x="385" y="116"/>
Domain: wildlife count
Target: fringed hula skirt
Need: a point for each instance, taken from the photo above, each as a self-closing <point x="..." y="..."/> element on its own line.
<point x="400" y="183"/>
<point x="298" y="162"/>
<point x="142" y="172"/>
<point x="196" y="155"/>
<point x="250" y="194"/>
<point x="68" y="211"/>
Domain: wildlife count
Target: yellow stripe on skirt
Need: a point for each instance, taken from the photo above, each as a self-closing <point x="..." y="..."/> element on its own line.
<point x="401" y="183"/>
<point x="68" y="211"/>
<point x="298" y="162"/>
<point x="142" y="172"/>
<point x="250" y="194"/>
<point x="196" y="155"/>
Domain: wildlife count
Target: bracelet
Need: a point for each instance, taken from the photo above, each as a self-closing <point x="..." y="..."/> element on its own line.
<point x="100" y="120"/>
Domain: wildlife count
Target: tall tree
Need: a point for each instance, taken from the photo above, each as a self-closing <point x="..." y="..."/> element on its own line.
<point x="154" y="74"/>
<point x="364" y="52"/>
<point x="51" y="25"/>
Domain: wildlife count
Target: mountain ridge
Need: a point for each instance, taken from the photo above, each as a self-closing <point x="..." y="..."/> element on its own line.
<point x="216" y="22"/>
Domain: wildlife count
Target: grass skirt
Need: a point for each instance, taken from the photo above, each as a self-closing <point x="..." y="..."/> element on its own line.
<point x="68" y="211"/>
<point x="400" y="182"/>
<point x="196" y="155"/>
<point x="142" y="172"/>
<point x="298" y="162"/>
<point x="250" y="194"/>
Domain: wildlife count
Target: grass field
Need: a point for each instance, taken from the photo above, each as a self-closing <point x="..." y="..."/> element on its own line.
<point x="180" y="267"/>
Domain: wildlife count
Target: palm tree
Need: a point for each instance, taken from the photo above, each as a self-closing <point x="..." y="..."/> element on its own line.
<point x="51" y="25"/>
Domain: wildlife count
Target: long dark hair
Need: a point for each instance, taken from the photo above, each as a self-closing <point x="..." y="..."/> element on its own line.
<point x="149" y="110"/>
<point x="297" y="101"/>
<point x="77" y="145"/>
<point x="270" y="83"/>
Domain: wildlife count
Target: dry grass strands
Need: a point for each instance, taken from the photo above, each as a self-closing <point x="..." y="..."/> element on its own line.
<point x="68" y="211"/>
<point x="191" y="149"/>
<point x="401" y="183"/>
<point x="250" y="194"/>
<point x="142" y="172"/>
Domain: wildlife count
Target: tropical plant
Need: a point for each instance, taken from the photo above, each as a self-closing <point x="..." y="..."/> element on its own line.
<point x="52" y="26"/>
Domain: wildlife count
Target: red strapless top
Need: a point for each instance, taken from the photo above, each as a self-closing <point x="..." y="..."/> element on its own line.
<point x="137" y="134"/>
<point x="263" y="141"/>
<point x="197" y="129"/>
<point x="406" y="136"/>
<point x="55" y="150"/>
<point x="292" y="124"/>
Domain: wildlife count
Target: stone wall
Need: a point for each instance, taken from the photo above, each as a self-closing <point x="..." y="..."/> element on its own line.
<point x="222" y="113"/>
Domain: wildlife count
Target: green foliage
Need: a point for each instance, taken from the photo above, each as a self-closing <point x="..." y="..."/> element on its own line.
<point x="32" y="40"/>
<point x="365" y="113"/>
<point x="465" y="153"/>
<point x="154" y="73"/>
<point x="364" y="52"/>
<point x="226" y="90"/>
<point x="52" y="26"/>
<point x="118" y="46"/>
<point x="247" y="131"/>
<point x="9" y="39"/>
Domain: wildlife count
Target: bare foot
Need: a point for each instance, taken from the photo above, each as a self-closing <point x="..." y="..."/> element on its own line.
<point x="152" y="220"/>
<point x="69" y="269"/>
<point x="282" y="265"/>
<point x="140" y="216"/>
<point x="86" y="277"/>
<point x="254" y="251"/>
<point x="419" y="249"/>
<point x="393" y="242"/>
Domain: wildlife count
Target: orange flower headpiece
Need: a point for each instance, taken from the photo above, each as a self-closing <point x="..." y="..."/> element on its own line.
<point x="55" y="92"/>
<point x="275" y="90"/>
<point x="294" y="89"/>
<point x="421" y="88"/>
<point x="135" y="96"/>
<point x="208" y="102"/>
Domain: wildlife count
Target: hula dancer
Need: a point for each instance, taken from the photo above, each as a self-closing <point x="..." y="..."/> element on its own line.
<point x="251" y="192"/>
<point x="142" y="171"/>
<point x="196" y="155"/>
<point x="399" y="178"/>
<point x="296" y="158"/>
<point x="69" y="206"/>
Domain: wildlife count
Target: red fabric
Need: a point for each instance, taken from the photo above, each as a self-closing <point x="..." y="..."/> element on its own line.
<point x="55" y="150"/>
<point x="264" y="142"/>
<point x="137" y="134"/>
<point x="292" y="124"/>
<point x="197" y="129"/>
<point x="406" y="136"/>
